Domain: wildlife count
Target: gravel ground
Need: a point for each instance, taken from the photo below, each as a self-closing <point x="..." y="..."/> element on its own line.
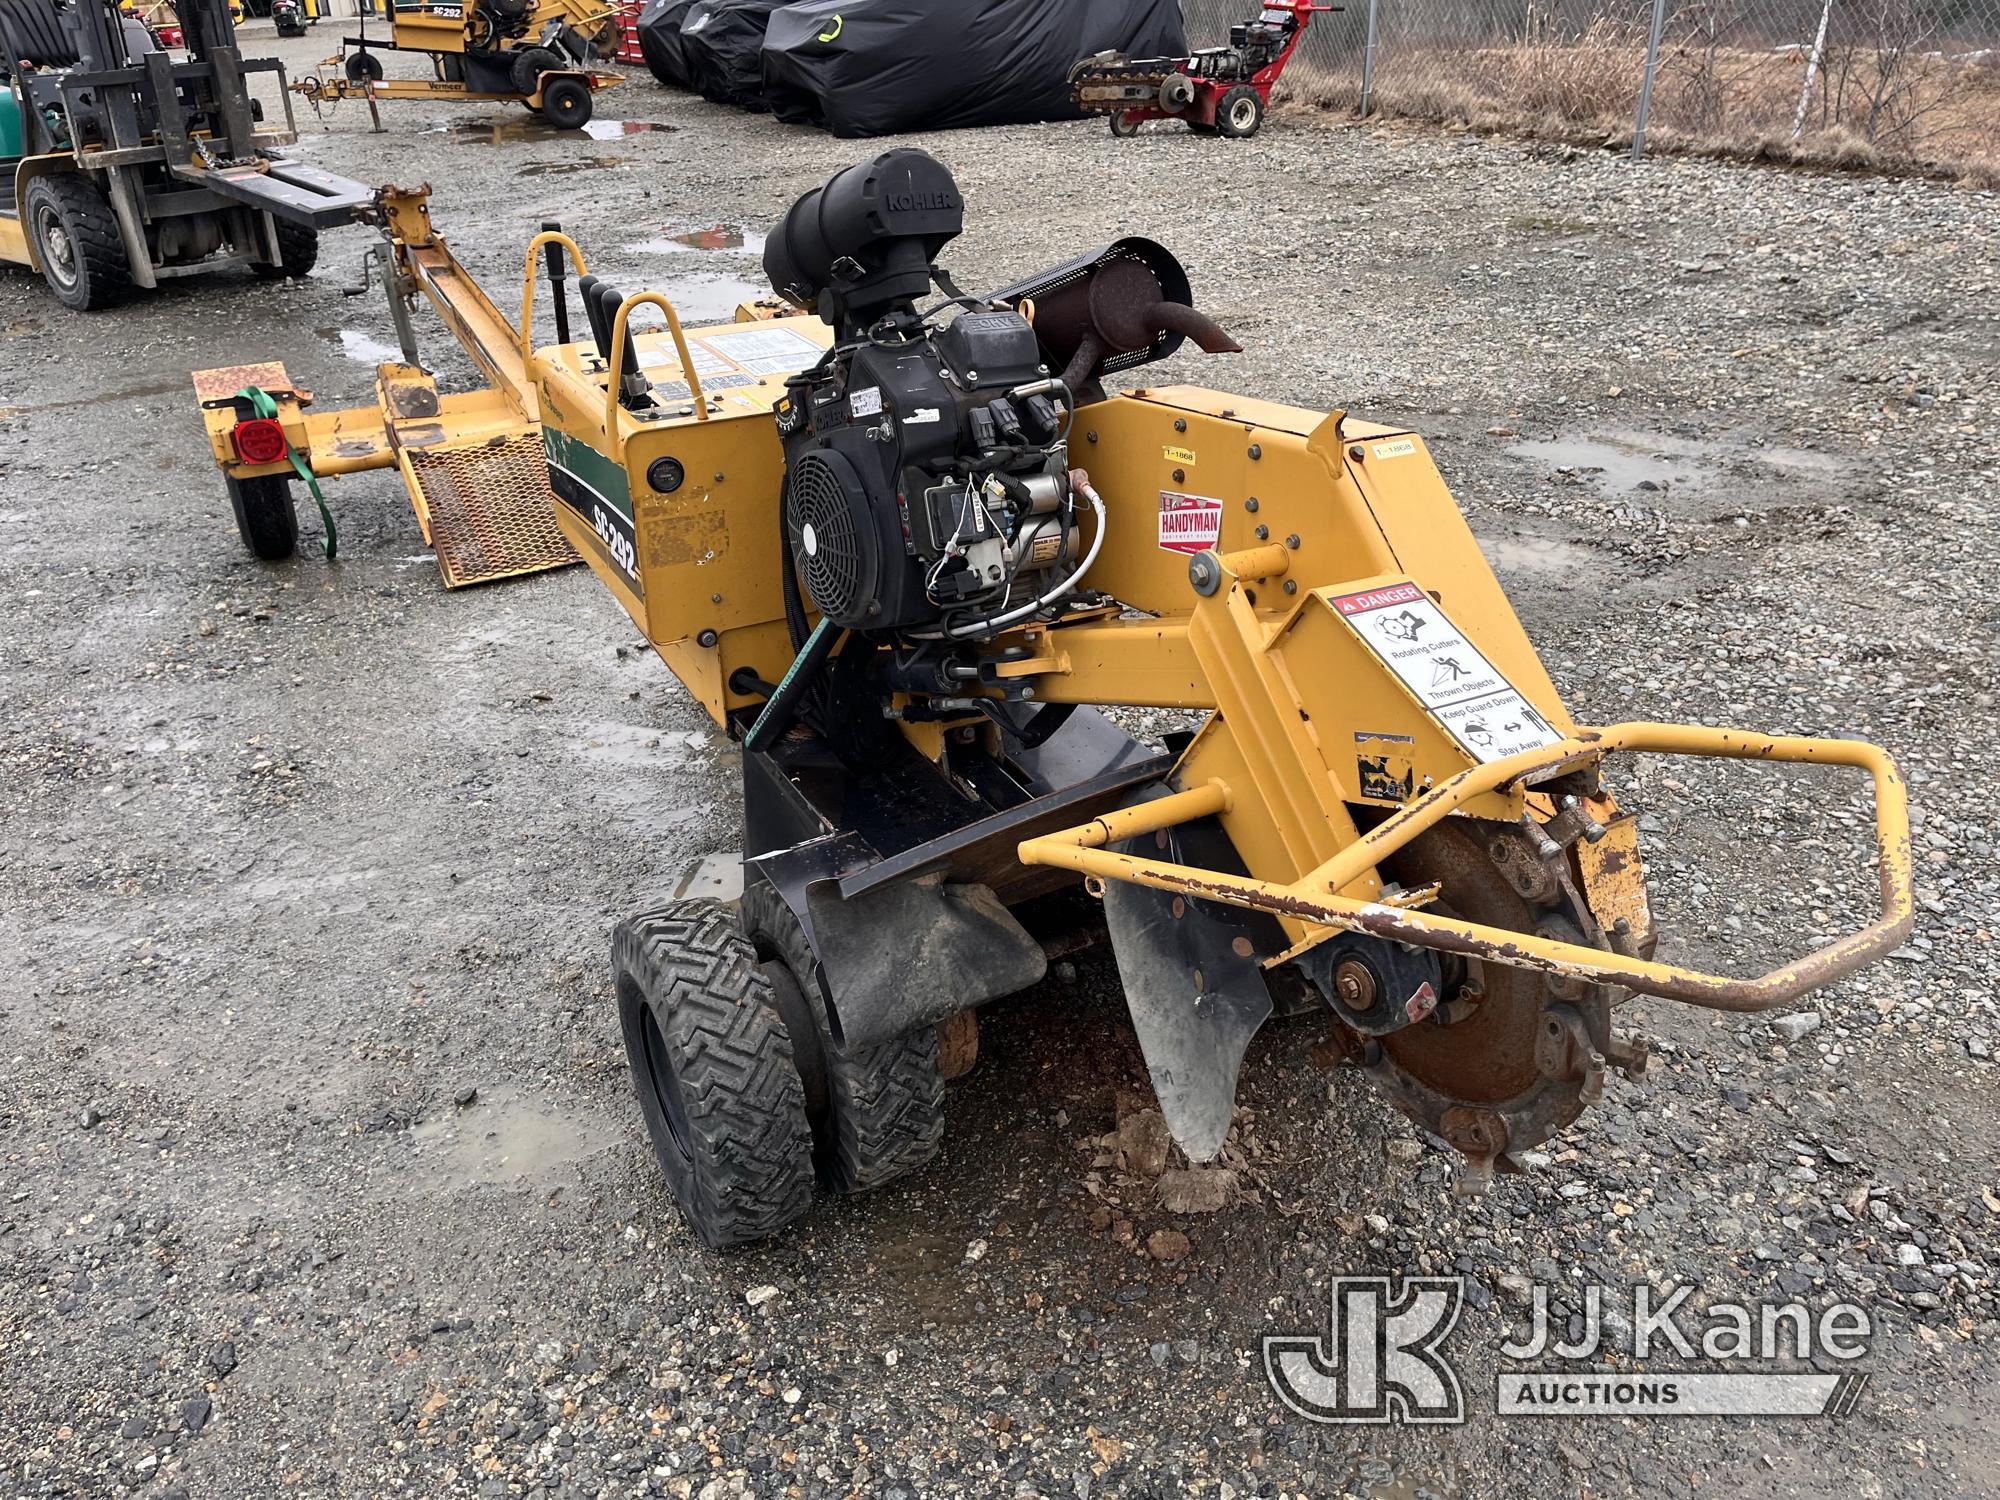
<point x="322" y="1174"/>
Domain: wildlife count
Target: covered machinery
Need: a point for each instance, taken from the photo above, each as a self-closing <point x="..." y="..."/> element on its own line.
<point x="915" y="551"/>
<point x="877" y="67"/>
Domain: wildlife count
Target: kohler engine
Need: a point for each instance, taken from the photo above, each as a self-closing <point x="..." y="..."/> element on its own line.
<point x="927" y="477"/>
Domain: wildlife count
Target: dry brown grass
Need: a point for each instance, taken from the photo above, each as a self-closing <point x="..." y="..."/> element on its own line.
<point x="1873" y="107"/>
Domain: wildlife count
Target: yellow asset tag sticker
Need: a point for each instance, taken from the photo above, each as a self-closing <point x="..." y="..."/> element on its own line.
<point x="1177" y="455"/>
<point x="1401" y="448"/>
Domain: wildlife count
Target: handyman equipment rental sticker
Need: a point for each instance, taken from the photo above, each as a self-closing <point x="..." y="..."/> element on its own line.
<point x="1189" y="523"/>
<point x="1444" y="671"/>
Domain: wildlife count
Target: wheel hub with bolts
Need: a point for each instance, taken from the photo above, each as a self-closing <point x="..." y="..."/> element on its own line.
<point x="57" y="249"/>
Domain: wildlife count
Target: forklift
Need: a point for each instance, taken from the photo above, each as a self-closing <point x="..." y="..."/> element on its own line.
<point x="130" y="168"/>
<point x="538" y="52"/>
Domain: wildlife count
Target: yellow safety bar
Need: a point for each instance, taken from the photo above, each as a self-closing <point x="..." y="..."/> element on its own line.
<point x="645" y="299"/>
<point x="1316" y="897"/>
<point x="535" y="245"/>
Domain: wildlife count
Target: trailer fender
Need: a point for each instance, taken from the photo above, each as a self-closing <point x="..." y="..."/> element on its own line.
<point x="907" y="955"/>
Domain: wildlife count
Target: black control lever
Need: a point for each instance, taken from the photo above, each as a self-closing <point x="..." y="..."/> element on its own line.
<point x="552" y="255"/>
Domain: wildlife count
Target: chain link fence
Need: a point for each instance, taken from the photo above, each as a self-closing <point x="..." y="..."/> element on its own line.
<point x="1887" y="83"/>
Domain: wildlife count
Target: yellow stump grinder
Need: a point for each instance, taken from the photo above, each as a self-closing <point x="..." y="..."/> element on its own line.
<point x="908" y="554"/>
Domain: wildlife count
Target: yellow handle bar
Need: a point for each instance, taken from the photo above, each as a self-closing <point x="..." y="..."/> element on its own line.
<point x="546" y="237"/>
<point x="1316" y="898"/>
<point x="625" y="308"/>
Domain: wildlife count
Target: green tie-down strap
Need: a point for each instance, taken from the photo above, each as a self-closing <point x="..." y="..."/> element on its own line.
<point x="263" y="405"/>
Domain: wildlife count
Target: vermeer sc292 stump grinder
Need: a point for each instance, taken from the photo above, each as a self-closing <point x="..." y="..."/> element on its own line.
<point x="910" y="594"/>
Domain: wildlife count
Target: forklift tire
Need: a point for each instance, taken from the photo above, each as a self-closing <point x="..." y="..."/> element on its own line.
<point x="880" y="1110"/>
<point x="527" y="66"/>
<point x="1239" y="113"/>
<point x="77" y="241"/>
<point x="566" y="103"/>
<point x="298" y="252"/>
<point x="363" y="67"/>
<point x="1124" y="124"/>
<point x="713" y="1067"/>
<point x="266" y="519"/>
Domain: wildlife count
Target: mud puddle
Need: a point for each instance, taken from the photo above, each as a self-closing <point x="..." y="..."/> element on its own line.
<point x="104" y="398"/>
<point x="511" y="132"/>
<point x="1535" y="557"/>
<point x="638" y="746"/>
<point x="706" y="297"/>
<point x="718" y="876"/>
<point x="1615" y="464"/>
<point x="712" y="239"/>
<point x="586" y="164"/>
<point x="925" y="1270"/>
<point x="362" y="348"/>
<point x="508" y="1135"/>
<point x="1619" y="462"/>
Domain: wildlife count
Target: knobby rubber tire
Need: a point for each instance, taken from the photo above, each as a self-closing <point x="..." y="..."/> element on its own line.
<point x="692" y="1002"/>
<point x="298" y="252"/>
<point x="101" y="275"/>
<point x="884" y="1113"/>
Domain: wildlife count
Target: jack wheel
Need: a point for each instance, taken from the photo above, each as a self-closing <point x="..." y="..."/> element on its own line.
<point x="566" y="103"/>
<point x="1124" y="125"/>
<point x="1239" y="113"/>
<point x="879" y="1111"/>
<point x="298" y="252"/>
<point x="77" y="240"/>
<point x="363" y="67"/>
<point x="713" y="1067"/>
<point x="266" y="519"/>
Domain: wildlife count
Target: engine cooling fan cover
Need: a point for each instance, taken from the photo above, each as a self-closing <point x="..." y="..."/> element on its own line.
<point x="834" y="535"/>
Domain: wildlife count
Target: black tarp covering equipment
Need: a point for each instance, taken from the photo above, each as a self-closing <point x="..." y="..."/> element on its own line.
<point x="875" y="67"/>
<point x="659" y="29"/>
<point x="723" y="42"/>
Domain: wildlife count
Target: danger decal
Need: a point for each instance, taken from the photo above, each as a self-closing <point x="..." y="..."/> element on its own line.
<point x="1445" y="672"/>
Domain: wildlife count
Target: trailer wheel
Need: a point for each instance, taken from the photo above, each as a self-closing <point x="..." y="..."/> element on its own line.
<point x="265" y="516"/>
<point x="1124" y="124"/>
<point x="566" y="103"/>
<point x="882" y="1111"/>
<point x="298" y="252"/>
<point x="77" y="241"/>
<point x="1239" y="113"/>
<point x="713" y="1068"/>
<point x="363" y="67"/>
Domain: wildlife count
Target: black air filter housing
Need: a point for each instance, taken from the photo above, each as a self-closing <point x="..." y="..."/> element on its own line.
<point x="862" y="245"/>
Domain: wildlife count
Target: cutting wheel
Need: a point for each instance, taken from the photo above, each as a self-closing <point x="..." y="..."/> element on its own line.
<point x="1494" y="1069"/>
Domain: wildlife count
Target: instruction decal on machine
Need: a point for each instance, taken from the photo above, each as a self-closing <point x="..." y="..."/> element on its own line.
<point x="1189" y="523"/>
<point x="1445" y="672"/>
<point x="765" y="351"/>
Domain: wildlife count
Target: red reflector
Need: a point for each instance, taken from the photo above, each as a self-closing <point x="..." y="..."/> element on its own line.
<point x="260" y="441"/>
